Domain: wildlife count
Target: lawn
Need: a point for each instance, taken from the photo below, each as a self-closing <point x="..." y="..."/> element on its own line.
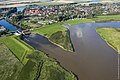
<point x="77" y="21"/>
<point x="111" y="36"/>
<point x="18" y="48"/>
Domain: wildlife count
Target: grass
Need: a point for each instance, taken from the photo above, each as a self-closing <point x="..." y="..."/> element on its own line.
<point x="107" y="18"/>
<point x="62" y="38"/>
<point x="10" y="66"/>
<point x="57" y="34"/>
<point x="30" y="24"/>
<point x="19" y="49"/>
<point x="54" y="72"/>
<point x="77" y="21"/>
<point x="111" y="36"/>
<point x="49" y="30"/>
<point x="36" y="66"/>
<point x="97" y="19"/>
<point x="28" y="72"/>
<point x="47" y="68"/>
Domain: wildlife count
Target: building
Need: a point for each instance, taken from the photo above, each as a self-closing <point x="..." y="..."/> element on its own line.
<point x="2" y="29"/>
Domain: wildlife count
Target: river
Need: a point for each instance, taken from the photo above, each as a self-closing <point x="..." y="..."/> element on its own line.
<point x="93" y="59"/>
<point x="7" y="25"/>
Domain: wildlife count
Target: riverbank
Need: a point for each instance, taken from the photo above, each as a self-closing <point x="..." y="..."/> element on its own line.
<point x="105" y="18"/>
<point x="50" y="30"/>
<point x="77" y="21"/>
<point x="35" y="64"/>
<point x="111" y="36"/>
<point x="57" y="34"/>
<point x="53" y="29"/>
<point x="41" y="67"/>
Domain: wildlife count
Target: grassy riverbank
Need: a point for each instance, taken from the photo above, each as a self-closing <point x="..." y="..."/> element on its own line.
<point x="104" y="18"/>
<point x="107" y="18"/>
<point x="57" y="34"/>
<point x="111" y="36"/>
<point x="78" y="21"/>
<point x="41" y="67"/>
<point x="19" y="61"/>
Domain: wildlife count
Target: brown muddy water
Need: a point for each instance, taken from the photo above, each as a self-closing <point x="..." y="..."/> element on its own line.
<point x="93" y="59"/>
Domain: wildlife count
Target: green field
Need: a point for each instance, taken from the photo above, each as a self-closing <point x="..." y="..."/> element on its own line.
<point x="18" y="48"/>
<point x="111" y="36"/>
<point x="49" y="30"/>
<point x="107" y="18"/>
<point x="10" y="66"/>
<point x="78" y="21"/>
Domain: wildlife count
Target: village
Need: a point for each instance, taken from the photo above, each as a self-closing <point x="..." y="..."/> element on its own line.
<point x="36" y="16"/>
<point x="78" y="10"/>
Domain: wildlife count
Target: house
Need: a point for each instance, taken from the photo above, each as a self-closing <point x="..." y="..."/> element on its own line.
<point x="2" y="29"/>
<point x="32" y="11"/>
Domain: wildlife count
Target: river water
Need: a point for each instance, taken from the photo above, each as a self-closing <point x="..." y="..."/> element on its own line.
<point x="7" y="25"/>
<point x="93" y="59"/>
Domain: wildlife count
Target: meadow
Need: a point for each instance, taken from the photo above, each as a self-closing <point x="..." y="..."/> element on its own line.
<point x="19" y="49"/>
<point x="10" y="66"/>
<point x="107" y="18"/>
<point x="78" y="21"/>
<point x="47" y="31"/>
